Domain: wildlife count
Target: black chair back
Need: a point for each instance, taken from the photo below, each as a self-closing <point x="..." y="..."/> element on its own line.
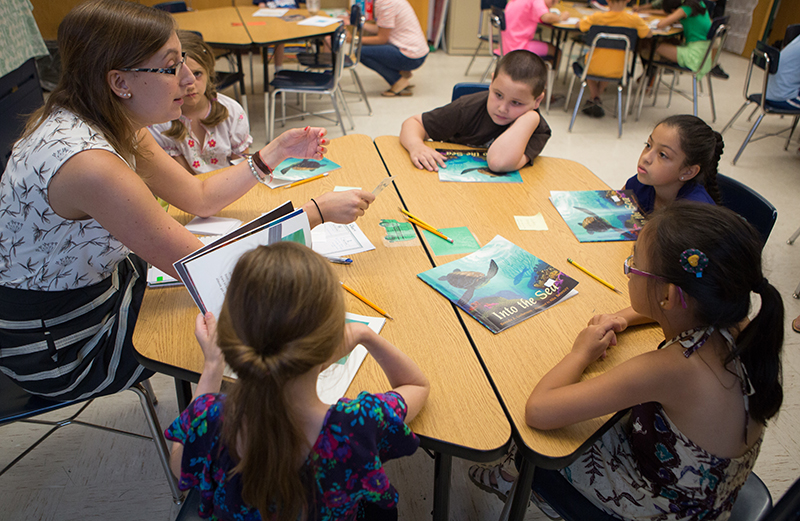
<point x="791" y="33"/>
<point x="612" y="43"/>
<point x="715" y="24"/>
<point x="749" y="204"/>
<point x="499" y="14"/>
<point x="20" y="95"/>
<point x="488" y="4"/>
<point x="355" y="15"/>
<point x="771" y="52"/>
<point x="172" y="7"/>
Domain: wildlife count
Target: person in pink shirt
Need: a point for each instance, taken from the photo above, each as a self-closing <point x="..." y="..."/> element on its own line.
<point x="522" y="18"/>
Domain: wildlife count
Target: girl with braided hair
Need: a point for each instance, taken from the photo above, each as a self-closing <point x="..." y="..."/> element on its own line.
<point x="271" y="449"/>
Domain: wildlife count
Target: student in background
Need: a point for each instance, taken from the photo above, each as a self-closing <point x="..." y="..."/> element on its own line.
<point x="701" y="401"/>
<point x="679" y="161"/>
<point x="79" y="194"/>
<point x="608" y="62"/>
<point x="395" y="45"/>
<point x="271" y="447"/>
<point x="693" y="16"/>
<point x="783" y="90"/>
<point x="522" y="19"/>
<point x="213" y="128"/>
<point x="505" y="118"/>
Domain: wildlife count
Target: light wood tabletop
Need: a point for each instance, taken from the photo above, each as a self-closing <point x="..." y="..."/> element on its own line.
<point x="222" y="26"/>
<point x="518" y="357"/>
<point x="463" y="416"/>
<point x="581" y="10"/>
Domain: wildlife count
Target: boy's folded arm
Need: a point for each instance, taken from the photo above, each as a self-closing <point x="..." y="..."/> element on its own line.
<point x="507" y="153"/>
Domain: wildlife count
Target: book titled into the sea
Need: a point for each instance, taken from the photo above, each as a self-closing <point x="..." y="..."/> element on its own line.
<point x="600" y="215"/>
<point x="470" y="166"/>
<point x="501" y="284"/>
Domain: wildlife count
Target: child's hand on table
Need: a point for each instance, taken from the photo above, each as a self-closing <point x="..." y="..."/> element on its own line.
<point x="424" y="157"/>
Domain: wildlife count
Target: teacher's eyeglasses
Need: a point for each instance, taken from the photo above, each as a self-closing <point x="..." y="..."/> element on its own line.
<point x="627" y="269"/>
<point x="167" y="70"/>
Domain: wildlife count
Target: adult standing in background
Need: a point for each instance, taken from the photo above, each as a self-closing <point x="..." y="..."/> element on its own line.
<point x="396" y="46"/>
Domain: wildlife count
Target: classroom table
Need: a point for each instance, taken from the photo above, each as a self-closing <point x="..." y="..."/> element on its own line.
<point x="462" y="416"/>
<point x="517" y="358"/>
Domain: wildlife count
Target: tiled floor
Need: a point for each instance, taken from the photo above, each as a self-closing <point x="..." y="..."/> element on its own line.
<point x="84" y="474"/>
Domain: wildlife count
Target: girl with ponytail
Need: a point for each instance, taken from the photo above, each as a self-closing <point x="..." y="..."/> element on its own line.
<point x="271" y="449"/>
<point x="701" y="401"/>
<point x="679" y="161"/>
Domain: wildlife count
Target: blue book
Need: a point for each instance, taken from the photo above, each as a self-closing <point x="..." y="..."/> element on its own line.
<point x="294" y="169"/>
<point x="501" y="284"/>
<point x="600" y="215"/>
<point x="470" y="166"/>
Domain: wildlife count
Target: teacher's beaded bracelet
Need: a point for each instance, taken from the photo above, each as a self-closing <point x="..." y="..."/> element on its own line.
<point x="261" y="179"/>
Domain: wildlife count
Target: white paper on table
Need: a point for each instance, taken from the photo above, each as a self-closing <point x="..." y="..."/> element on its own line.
<point x="572" y="20"/>
<point x="531" y="222"/>
<point x="212" y="225"/>
<point x="277" y="13"/>
<point x="336" y="240"/>
<point x="319" y="21"/>
<point x="345" y="188"/>
<point x="334" y="381"/>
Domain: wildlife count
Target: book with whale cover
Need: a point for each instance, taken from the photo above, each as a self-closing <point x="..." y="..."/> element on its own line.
<point x="600" y="215"/>
<point x="295" y="169"/>
<point x="470" y="166"/>
<point x="501" y="284"/>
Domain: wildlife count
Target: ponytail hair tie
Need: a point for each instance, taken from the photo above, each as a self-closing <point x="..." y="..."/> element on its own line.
<point x="694" y="261"/>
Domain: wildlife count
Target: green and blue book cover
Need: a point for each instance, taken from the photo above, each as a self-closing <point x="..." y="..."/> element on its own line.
<point x="501" y="284"/>
<point x="470" y="166"/>
<point x="600" y="215"/>
<point x="295" y="169"/>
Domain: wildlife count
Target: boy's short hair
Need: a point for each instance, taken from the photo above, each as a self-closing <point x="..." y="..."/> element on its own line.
<point x="526" y="67"/>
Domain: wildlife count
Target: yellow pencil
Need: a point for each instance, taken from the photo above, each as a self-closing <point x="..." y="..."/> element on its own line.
<point x="430" y="229"/>
<point x="296" y="183"/>
<point x="364" y="300"/>
<point x="409" y="214"/>
<point x="595" y="277"/>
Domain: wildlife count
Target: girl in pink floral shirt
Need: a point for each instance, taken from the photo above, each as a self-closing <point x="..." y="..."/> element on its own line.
<point x="213" y="128"/>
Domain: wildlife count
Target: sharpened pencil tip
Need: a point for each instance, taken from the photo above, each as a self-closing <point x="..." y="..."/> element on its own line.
<point x="389" y="317"/>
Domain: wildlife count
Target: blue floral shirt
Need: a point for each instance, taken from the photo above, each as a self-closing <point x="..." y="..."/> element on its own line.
<point x="357" y="436"/>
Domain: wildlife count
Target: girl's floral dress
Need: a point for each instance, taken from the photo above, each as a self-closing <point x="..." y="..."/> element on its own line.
<point x="346" y="462"/>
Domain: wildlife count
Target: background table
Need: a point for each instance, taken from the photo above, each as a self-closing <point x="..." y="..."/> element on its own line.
<point x="517" y="358"/>
<point x="462" y="416"/>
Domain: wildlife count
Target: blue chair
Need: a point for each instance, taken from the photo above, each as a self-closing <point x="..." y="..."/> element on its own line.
<point x="749" y="204"/>
<point x="17" y="405"/>
<point x="464" y="88"/>
<point x="752" y="504"/>
<point x="764" y="57"/>
<point x="606" y="37"/>
<point x="716" y="35"/>
<point x="304" y="82"/>
<point x="20" y="95"/>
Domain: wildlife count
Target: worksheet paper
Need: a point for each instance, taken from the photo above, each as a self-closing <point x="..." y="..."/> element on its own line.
<point x="337" y="240"/>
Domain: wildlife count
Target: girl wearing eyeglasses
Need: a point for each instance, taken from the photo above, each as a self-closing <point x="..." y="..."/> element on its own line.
<point x="79" y="195"/>
<point x="699" y="403"/>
